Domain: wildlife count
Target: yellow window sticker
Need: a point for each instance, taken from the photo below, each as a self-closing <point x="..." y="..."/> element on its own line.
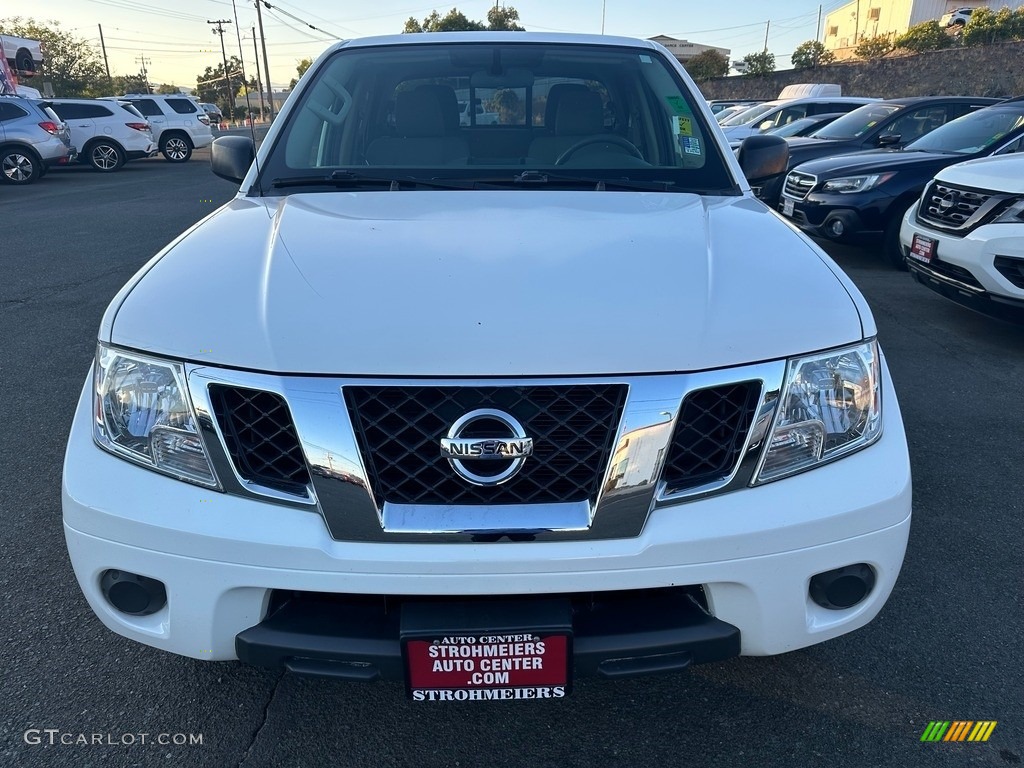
<point x="685" y="126"/>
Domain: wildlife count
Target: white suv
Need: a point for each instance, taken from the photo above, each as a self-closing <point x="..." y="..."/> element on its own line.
<point x="646" y="425"/>
<point x="106" y="133"/>
<point x="179" y="124"/>
<point x="964" y="238"/>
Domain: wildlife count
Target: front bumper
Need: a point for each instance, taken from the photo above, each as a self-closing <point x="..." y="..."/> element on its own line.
<point x="973" y="270"/>
<point x="751" y="553"/>
<point x="861" y="214"/>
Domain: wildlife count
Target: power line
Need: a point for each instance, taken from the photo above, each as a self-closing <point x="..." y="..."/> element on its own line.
<point x="219" y="30"/>
<point x="305" y="23"/>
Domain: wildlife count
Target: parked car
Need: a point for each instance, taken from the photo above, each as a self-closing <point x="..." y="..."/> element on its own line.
<point x="32" y="140"/>
<point x="964" y="238"/>
<point x="106" y="133"/>
<point x="717" y="105"/>
<point x="771" y="114"/>
<point x="893" y="123"/>
<point x="865" y="194"/>
<point x="482" y="117"/>
<point x="178" y="123"/>
<point x="732" y="111"/>
<point x="24" y="57"/>
<point x="956" y="18"/>
<point x="213" y="112"/>
<point x="348" y="446"/>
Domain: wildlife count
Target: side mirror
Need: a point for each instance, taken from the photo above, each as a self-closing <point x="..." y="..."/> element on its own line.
<point x="889" y="139"/>
<point x="763" y="156"/>
<point x="231" y="156"/>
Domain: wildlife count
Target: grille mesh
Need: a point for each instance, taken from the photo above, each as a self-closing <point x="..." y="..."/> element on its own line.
<point x="1012" y="269"/>
<point x="261" y="438"/>
<point x="798" y="185"/>
<point x="400" y="428"/>
<point x="958" y="210"/>
<point x="710" y="434"/>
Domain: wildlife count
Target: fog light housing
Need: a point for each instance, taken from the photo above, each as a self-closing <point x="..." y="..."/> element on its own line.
<point x="836" y="228"/>
<point x="133" y="594"/>
<point x="842" y="588"/>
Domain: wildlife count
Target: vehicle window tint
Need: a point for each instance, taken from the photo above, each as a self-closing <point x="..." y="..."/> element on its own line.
<point x="182" y="106"/>
<point x="96" y="110"/>
<point x="855" y="124"/>
<point x="1013" y="147"/>
<point x="131" y="110"/>
<point x="50" y="114"/>
<point x="835" y="106"/>
<point x="10" y="111"/>
<point x="148" y="107"/>
<point x="917" y="123"/>
<point x="69" y="111"/>
<point x="599" y="108"/>
<point x="976" y="132"/>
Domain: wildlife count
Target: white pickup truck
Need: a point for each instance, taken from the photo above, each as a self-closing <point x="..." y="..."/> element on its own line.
<point x="648" y="425"/>
<point x="25" y="57"/>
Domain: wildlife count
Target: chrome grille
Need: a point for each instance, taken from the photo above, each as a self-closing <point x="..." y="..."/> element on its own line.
<point x="260" y="438"/>
<point x="710" y="434"/>
<point x="399" y="430"/>
<point x="958" y="210"/>
<point x="798" y="185"/>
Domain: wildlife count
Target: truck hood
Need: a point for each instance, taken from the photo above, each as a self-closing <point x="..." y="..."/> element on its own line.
<point x="1004" y="173"/>
<point x="487" y="283"/>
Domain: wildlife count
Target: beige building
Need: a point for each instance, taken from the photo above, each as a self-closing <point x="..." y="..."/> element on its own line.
<point x="861" y="20"/>
<point x="684" y="50"/>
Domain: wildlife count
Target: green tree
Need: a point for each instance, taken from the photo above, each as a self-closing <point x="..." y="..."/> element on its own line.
<point x="168" y="89"/>
<point x="498" y="19"/>
<point x="874" y="47"/>
<point x="707" y="65"/>
<point x="927" y="36"/>
<point x="72" y="66"/>
<point x="811" y="54"/>
<point x="126" y="84"/>
<point x="759" y="64"/>
<point x="212" y="87"/>
<point x="301" y="68"/>
<point x="986" y="27"/>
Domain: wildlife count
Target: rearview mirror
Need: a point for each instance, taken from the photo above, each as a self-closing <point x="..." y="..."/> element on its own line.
<point x="763" y="156"/>
<point x="889" y="139"/>
<point x="231" y="156"/>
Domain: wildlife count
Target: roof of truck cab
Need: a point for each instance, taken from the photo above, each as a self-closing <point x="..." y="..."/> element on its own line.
<point x="491" y="37"/>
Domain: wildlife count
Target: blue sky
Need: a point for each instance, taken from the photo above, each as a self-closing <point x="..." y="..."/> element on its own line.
<point x="180" y="44"/>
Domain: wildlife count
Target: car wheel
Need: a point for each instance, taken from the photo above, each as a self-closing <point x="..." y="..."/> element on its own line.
<point x="176" y="149"/>
<point x="891" y="248"/>
<point x="105" y="157"/>
<point x="18" y="167"/>
<point x="24" y="62"/>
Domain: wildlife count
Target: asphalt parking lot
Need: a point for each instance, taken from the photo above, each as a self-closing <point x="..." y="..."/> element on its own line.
<point x="946" y="647"/>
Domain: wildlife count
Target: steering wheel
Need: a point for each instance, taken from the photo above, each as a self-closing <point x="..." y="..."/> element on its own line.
<point x="610" y="138"/>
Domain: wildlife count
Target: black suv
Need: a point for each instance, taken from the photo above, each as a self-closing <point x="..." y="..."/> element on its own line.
<point x="893" y="123"/>
<point x="844" y="198"/>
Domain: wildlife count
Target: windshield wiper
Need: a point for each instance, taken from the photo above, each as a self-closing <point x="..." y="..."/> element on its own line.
<point x="540" y="178"/>
<point x="340" y="179"/>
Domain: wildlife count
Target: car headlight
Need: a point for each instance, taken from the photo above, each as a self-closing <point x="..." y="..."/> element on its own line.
<point x="143" y="414"/>
<point x="831" y="405"/>
<point x="1012" y="215"/>
<point x="850" y="184"/>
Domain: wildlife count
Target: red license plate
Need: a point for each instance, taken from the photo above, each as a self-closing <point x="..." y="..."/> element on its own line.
<point x="487" y="667"/>
<point x="923" y="248"/>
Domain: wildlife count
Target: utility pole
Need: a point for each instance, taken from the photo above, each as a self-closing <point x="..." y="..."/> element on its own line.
<point x="143" y="61"/>
<point x="106" y="64"/>
<point x="259" y="82"/>
<point x="604" y="9"/>
<point x="767" y="27"/>
<point x="856" y="32"/>
<point x="819" y="31"/>
<point x="266" y="63"/>
<point x="219" y="30"/>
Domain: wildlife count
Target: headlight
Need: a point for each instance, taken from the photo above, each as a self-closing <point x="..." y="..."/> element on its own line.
<point x="850" y="184"/>
<point x="831" y="405"/>
<point x="1012" y="215"/>
<point x="142" y="413"/>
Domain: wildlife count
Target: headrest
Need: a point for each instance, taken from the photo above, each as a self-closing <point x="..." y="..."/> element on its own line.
<point x="580" y="114"/>
<point x="418" y="114"/>
<point x="445" y="97"/>
<point x="555" y="94"/>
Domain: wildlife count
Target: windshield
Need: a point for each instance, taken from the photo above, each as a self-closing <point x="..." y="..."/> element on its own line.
<point x="855" y="124"/>
<point x="486" y="114"/>
<point x="973" y="133"/>
<point x="749" y="115"/>
<point x="793" y="128"/>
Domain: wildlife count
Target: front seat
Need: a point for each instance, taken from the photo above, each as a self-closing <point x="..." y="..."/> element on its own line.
<point x="579" y="116"/>
<point x="425" y="120"/>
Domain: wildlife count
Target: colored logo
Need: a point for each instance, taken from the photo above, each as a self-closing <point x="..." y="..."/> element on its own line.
<point x="958" y="730"/>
